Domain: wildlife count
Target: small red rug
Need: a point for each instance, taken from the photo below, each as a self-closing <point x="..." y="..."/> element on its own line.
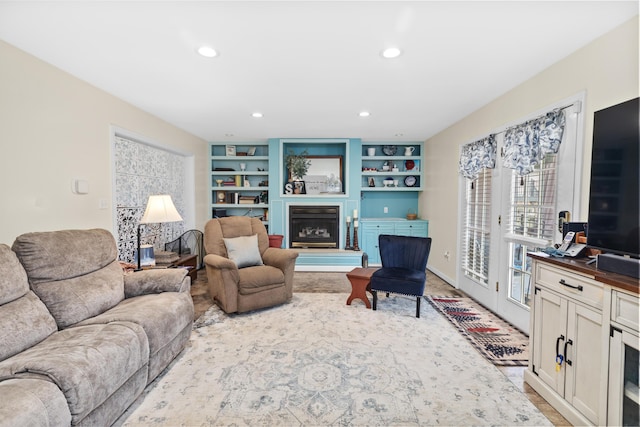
<point x="497" y="340"/>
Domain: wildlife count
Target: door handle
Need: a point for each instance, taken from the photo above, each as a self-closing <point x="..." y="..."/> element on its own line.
<point x="566" y="359"/>
<point x="560" y="338"/>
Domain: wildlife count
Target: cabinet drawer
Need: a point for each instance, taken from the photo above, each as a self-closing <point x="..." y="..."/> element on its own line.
<point x="624" y="309"/>
<point x="382" y="228"/>
<point x="569" y="284"/>
<point x="417" y="229"/>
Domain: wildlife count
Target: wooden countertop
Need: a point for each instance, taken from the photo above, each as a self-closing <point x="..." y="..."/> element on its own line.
<point x="580" y="265"/>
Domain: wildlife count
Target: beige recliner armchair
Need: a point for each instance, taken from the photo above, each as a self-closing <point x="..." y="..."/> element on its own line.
<point x="243" y="272"/>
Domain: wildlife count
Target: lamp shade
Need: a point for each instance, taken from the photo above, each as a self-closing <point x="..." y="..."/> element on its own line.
<point x="160" y="208"/>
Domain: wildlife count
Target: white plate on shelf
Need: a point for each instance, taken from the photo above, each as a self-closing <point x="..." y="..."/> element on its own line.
<point x="410" y="181"/>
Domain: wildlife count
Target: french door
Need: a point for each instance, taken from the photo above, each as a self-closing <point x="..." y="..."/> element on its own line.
<point x="504" y="216"/>
<point x="479" y="271"/>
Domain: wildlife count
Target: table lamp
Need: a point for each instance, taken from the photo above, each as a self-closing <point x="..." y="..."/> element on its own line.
<point x="160" y="208"/>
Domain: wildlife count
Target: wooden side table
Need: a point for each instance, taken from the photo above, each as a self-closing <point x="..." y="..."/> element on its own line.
<point x="359" y="278"/>
<point x="190" y="261"/>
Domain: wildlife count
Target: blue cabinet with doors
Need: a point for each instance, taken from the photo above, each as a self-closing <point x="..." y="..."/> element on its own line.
<point x="371" y="228"/>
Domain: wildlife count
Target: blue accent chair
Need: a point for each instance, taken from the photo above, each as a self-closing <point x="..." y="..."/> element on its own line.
<point x="404" y="265"/>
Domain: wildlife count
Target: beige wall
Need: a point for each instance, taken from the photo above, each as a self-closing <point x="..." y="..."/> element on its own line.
<point x="606" y="69"/>
<point x="54" y="128"/>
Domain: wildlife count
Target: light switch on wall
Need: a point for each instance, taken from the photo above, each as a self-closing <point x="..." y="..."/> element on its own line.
<point x="80" y="186"/>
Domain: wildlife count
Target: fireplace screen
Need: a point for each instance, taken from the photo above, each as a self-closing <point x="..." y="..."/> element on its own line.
<point x="313" y="226"/>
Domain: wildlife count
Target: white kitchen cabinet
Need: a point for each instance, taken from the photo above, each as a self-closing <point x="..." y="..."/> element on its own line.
<point x="567" y="324"/>
<point x="572" y="331"/>
<point x="590" y="318"/>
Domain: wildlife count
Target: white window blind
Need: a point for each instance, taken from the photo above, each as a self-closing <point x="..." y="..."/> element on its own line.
<point x="533" y="204"/>
<point x="477" y="221"/>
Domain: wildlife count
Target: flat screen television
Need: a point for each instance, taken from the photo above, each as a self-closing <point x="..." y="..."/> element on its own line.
<point x="614" y="214"/>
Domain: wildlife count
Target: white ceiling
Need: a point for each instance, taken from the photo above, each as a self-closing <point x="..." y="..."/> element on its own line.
<point x="309" y="67"/>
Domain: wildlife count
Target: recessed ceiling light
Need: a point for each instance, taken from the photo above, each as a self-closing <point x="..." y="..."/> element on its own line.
<point x="207" y="51"/>
<point x="364" y="114"/>
<point x="257" y="115"/>
<point x="391" y="52"/>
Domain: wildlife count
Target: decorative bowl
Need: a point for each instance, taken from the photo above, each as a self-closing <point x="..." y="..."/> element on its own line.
<point x="389" y="150"/>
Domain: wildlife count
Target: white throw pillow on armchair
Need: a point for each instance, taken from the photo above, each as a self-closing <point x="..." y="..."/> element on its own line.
<point x="244" y="251"/>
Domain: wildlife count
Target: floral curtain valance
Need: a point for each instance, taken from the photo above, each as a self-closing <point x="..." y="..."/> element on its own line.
<point x="477" y="156"/>
<point x="526" y="144"/>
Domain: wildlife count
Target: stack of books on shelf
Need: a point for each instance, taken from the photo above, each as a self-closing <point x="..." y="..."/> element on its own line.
<point x="232" y="198"/>
<point x="247" y="200"/>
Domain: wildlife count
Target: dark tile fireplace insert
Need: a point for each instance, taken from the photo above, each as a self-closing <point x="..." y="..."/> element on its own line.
<point x="313" y="226"/>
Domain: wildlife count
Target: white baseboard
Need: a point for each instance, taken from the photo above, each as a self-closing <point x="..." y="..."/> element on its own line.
<point x="443" y="276"/>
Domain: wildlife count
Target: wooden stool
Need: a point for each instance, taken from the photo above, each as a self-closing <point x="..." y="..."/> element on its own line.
<point x="359" y="278"/>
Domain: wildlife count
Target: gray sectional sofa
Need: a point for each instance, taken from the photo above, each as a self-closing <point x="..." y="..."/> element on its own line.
<point x="79" y="339"/>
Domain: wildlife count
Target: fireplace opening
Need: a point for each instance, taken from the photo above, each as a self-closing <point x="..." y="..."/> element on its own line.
<point x="313" y="226"/>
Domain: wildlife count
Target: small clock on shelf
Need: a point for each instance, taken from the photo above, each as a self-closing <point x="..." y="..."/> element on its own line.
<point x="410" y="181"/>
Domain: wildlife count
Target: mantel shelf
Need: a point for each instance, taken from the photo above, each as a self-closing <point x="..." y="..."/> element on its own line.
<point x="293" y="196"/>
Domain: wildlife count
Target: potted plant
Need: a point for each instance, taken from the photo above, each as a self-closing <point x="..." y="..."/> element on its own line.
<point x="298" y="165"/>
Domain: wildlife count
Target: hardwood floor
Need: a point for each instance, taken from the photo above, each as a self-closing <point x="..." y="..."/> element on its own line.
<point x="337" y="282"/>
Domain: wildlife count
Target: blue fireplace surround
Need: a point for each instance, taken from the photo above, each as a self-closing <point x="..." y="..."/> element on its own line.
<point x="352" y="199"/>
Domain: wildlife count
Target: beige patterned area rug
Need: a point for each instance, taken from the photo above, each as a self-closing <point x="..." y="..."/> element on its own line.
<point x="317" y="362"/>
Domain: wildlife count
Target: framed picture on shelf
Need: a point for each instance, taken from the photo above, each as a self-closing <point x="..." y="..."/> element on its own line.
<point x="231" y="150"/>
<point x="251" y="151"/>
